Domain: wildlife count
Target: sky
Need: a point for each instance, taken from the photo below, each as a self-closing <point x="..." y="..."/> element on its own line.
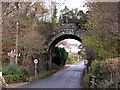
<point x="73" y="41"/>
<point x="75" y="4"/>
<point x="70" y="4"/>
<point x="73" y="48"/>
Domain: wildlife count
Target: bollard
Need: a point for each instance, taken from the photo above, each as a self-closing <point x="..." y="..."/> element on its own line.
<point x="35" y="70"/>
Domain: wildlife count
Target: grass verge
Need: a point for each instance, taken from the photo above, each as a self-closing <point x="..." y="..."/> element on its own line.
<point x="44" y="74"/>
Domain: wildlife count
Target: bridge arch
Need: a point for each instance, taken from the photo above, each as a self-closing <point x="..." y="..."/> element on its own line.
<point x="62" y="37"/>
<point x="57" y="40"/>
<point x="69" y="32"/>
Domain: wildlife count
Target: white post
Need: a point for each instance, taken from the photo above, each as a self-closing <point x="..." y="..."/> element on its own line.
<point x="35" y="69"/>
<point x="86" y="62"/>
<point x="35" y="62"/>
<point x="16" y="56"/>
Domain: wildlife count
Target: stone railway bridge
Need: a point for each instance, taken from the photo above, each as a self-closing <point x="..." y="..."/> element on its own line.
<point x="66" y="31"/>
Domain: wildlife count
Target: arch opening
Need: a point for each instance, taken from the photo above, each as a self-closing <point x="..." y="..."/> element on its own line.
<point x="56" y="41"/>
<point x="62" y="37"/>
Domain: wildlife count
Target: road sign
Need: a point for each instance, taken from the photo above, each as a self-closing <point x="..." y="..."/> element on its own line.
<point x="86" y="62"/>
<point x="35" y="61"/>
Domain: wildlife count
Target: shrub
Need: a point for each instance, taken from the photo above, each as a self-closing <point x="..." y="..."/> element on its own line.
<point x="115" y="83"/>
<point x="85" y="81"/>
<point x="8" y="79"/>
<point x="11" y="78"/>
<point x="69" y="61"/>
<point x="11" y="69"/>
<point x="13" y="74"/>
<point x="107" y="73"/>
<point x="54" y="66"/>
<point x="24" y="75"/>
<point x="59" y="56"/>
<point x="16" y="78"/>
<point x="94" y="66"/>
<point x="23" y="78"/>
<point x="99" y="71"/>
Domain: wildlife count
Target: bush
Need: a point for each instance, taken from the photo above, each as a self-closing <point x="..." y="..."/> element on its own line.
<point x="54" y="66"/>
<point x="115" y="83"/>
<point x="94" y="66"/>
<point x="23" y="78"/>
<point x="15" y="78"/>
<point x="59" y="56"/>
<point x="11" y="78"/>
<point x="98" y="70"/>
<point x="13" y="74"/>
<point x="106" y="72"/>
<point x="11" y="69"/>
<point x="24" y="75"/>
<point x="69" y="61"/>
<point x="85" y="81"/>
<point x="8" y="79"/>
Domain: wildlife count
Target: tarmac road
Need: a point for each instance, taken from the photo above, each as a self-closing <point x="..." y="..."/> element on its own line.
<point x="66" y="78"/>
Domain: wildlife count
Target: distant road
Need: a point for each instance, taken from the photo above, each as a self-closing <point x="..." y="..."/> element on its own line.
<point x="66" y="78"/>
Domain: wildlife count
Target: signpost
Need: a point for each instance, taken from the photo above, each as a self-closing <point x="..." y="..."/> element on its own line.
<point x="35" y="62"/>
<point x="86" y="62"/>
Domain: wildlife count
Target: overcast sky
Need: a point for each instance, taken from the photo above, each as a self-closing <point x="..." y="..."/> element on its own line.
<point x="75" y="4"/>
<point x="72" y="43"/>
<point x="69" y="3"/>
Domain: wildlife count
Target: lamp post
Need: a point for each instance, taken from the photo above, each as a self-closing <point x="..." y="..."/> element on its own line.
<point x="17" y="33"/>
<point x="16" y="57"/>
